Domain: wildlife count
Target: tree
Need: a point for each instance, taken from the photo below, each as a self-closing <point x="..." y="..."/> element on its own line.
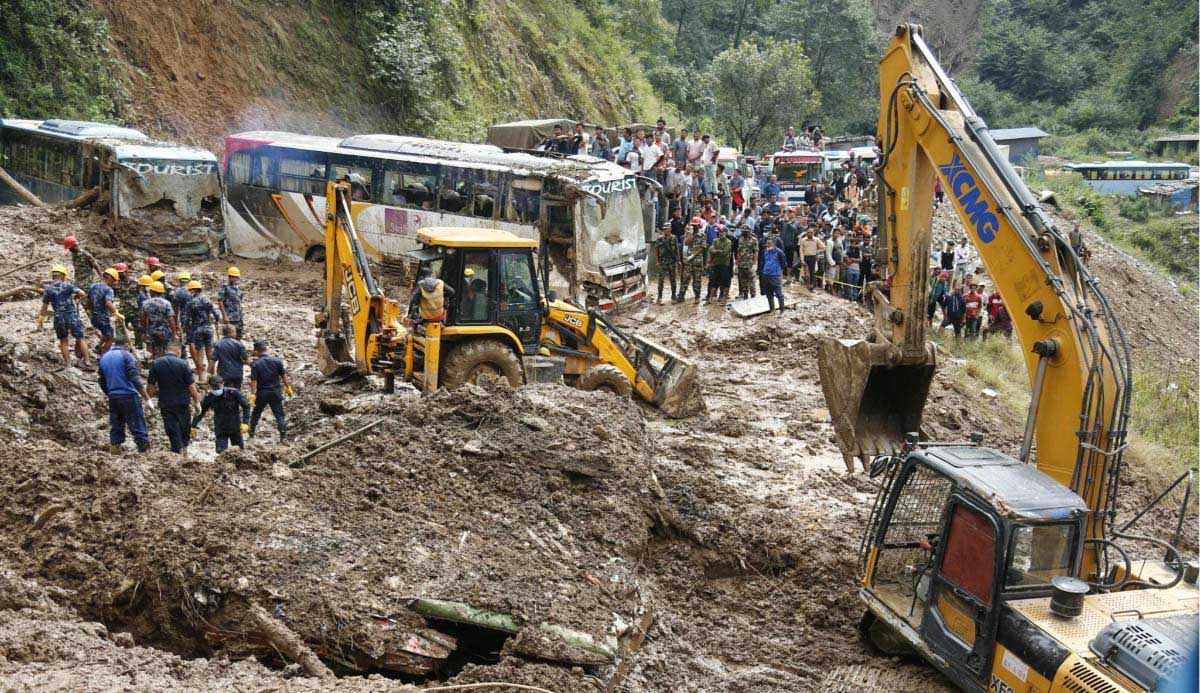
<point x="757" y="92"/>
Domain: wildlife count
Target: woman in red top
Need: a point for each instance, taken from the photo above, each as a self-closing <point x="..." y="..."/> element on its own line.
<point x="974" y="308"/>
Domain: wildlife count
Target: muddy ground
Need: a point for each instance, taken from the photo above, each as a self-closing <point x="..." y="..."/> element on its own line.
<point x="731" y="537"/>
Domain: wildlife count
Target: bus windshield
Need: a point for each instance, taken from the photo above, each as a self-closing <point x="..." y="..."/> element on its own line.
<point x="607" y="235"/>
<point x="795" y="172"/>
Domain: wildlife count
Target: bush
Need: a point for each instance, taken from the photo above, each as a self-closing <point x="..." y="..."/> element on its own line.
<point x="1134" y="208"/>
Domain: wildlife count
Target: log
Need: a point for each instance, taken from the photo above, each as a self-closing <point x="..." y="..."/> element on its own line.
<point x="22" y="191"/>
<point x="27" y="264"/>
<point x="337" y="441"/>
<point x="20" y="292"/>
<point x="288" y="644"/>
<point x="85" y="198"/>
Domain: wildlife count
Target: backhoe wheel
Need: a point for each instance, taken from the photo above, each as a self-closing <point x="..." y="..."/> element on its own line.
<point x="466" y="362"/>
<point x="605" y="377"/>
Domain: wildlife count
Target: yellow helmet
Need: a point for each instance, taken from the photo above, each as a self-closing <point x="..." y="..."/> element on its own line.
<point x="157" y="287"/>
<point x="145" y="280"/>
<point x="183" y="276"/>
<point x="468" y="272"/>
<point x="194" y="285"/>
<point x="112" y="272"/>
<point x="58" y="269"/>
<point x="234" y="272"/>
<point x="156" y="275"/>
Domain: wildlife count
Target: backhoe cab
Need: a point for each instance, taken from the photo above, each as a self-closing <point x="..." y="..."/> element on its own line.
<point x="498" y="322"/>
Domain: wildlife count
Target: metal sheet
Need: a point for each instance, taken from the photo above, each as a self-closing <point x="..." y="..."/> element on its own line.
<point x="749" y="307"/>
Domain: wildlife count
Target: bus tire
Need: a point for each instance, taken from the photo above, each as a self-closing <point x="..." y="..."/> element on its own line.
<point x="606" y="377"/>
<point x="467" y="362"/>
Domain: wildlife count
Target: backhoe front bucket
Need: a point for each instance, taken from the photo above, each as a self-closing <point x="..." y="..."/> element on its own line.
<point x="333" y="356"/>
<point x="872" y="401"/>
<point x="676" y="383"/>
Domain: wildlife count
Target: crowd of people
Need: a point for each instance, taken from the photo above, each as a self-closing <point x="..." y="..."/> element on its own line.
<point x="962" y="298"/>
<point x="129" y="315"/>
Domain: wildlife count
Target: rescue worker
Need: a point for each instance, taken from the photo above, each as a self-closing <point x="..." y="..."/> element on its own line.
<point x="179" y="299"/>
<point x="158" y="320"/>
<point x="157" y="275"/>
<point x="430" y="298"/>
<point x="230" y="356"/>
<point x="152" y="264"/>
<point x="747" y="263"/>
<point x="85" y="266"/>
<point x="61" y="295"/>
<point x="226" y="403"/>
<point x="666" y="254"/>
<point x="268" y="384"/>
<point x="693" y="264"/>
<point x="229" y="300"/>
<point x="474" y="301"/>
<point x="171" y="379"/>
<point x="719" y="255"/>
<point x="143" y="295"/>
<point x="127" y="290"/>
<point x="200" y="315"/>
<point x="123" y="386"/>
<point x="101" y="308"/>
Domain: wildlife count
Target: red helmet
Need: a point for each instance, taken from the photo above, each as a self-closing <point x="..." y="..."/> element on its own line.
<point x="153" y="262"/>
<point x="695" y="221"/>
<point x="121" y="267"/>
<point x="70" y="242"/>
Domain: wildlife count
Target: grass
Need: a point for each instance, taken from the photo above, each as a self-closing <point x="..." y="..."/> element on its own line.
<point x="1163" y="422"/>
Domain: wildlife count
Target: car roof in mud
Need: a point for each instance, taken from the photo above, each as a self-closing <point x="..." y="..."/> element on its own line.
<point x="1015" y="489"/>
<point x="466" y="154"/>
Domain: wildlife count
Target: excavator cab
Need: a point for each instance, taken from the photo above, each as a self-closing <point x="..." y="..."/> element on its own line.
<point x="958" y="536"/>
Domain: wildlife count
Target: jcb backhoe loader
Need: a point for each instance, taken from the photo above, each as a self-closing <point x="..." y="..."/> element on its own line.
<point x="498" y="322"/>
<point x="1007" y="574"/>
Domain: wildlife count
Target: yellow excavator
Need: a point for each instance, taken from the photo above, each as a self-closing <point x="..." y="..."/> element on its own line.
<point x="498" y="322"/>
<point x="1007" y="574"/>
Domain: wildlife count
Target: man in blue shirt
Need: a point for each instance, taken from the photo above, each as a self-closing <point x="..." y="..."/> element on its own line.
<point x="120" y="381"/>
<point x="61" y="294"/>
<point x="268" y="384"/>
<point x="230" y="355"/>
<point x="774" y="261"/>
<point x="772" y="188"/>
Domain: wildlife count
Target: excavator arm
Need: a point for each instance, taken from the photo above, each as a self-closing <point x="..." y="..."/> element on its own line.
<point x="1074" y="348"/>
<point x="362" y="335"/>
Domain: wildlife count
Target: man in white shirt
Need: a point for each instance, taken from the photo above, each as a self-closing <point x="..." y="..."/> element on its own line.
<point x="708" y="157"/>
<point x="634" y="159"/>
<point x="651" y="153"/>
<point x="962" y="262"/>
<point x="694" y="149"/>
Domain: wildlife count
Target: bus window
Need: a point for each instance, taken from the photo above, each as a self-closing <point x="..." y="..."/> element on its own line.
<point x="239" y="168"/>
<point x="260" y="173"/>
<point x="523" y="203"/>
<point x="359" y="178"/>
<point x="407" y="189"/>
<point x="487" y="194"/>
<point x="456" y="190"/>
<point x="302" y="175"/>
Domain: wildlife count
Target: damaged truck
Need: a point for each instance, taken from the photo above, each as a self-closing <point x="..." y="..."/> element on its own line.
<point x="584" y="213"/>
<point x="160" y="197"/>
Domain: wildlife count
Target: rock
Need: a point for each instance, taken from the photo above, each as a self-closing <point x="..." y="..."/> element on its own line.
<point x="761" y="345"/>
<point x="537" y="423"/>
<point x="122" y="639"/>
<point x="989" y="393"/>
<point x="471" y="447"/>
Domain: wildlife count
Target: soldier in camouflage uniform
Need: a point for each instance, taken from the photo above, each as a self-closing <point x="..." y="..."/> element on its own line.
<point x="666" y="253"/>
<point x="693" y="263"/>
<point x="85" y="266"/>
<point x="127" y="303"/>
<point x="229" y="300"/>
<point x="179" y="298"/>
<point x="158" y="320"/>
<point x="747" y="263"/>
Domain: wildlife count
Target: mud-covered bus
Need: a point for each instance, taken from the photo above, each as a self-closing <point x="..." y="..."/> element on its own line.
<point x="586" y="212"/>
<point x="163" y="198"/>
<point x="793" y="170"/>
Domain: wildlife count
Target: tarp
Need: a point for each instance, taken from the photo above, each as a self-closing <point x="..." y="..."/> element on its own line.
<point x="527" y="134"/>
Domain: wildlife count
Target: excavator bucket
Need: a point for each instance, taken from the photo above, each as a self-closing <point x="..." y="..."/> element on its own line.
<point x="334" y="356"/>
<point x="676" y="382"/>
<point x="872" y="401"/>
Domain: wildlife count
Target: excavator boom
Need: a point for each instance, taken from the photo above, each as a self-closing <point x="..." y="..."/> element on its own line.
<point x="1074" y="348"/>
